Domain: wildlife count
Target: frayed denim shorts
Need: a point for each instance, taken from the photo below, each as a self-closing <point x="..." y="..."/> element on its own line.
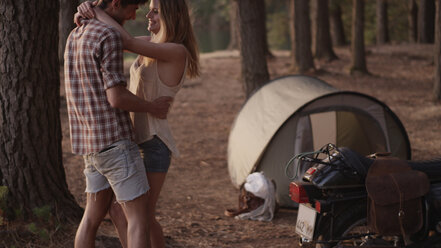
<point x="119" y="166"/>
<point x="156" y="155"/>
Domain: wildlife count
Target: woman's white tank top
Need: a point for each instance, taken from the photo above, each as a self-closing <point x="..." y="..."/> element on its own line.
<point x="146" y="84"/>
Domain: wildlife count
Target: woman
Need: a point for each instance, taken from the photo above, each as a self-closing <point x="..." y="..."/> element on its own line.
<point x="166" y="58"/>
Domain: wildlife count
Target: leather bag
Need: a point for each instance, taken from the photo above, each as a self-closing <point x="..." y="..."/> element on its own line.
<point x="395" y="194"/>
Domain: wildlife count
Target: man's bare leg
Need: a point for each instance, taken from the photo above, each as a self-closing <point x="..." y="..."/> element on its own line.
<point x="118" y="218"/>
<point x="96" y="209"/>
<point x="136" y="214"/>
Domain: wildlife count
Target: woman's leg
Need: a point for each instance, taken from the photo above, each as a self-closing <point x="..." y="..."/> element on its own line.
<point x="156" y="180"/>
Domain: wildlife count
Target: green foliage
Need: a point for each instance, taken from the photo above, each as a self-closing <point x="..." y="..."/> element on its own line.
<point x="397" y="17"/>
<point x="3" y="197"/>
<point x="278" y="31"/>
<point x="42" y="233"/>
<point x="43" y="213"/>
<point x="18" y="213"/>
<point x="277" y="23"/>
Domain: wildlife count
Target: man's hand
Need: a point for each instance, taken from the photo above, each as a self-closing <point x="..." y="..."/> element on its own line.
<point x="161" y="106"/>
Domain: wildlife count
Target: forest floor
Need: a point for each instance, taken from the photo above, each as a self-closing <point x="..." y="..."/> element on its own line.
<point x="198" y="187"/>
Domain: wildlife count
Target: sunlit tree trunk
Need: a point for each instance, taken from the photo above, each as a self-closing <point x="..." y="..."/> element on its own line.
<point x="323" y="43"/>
<point x="412" y="19"/>
<point x="252" y="44"/>
<point x="234" y="30"/>
<point x="30" y="130"/>
<point x="437" y="57"/>
<point x="426" y="21"/>
<point x="301" y="36"/>
<point x="357" y="46"/>
<point x="66" y="24"/>
<point x="337" y="30"/>
<point x="382" y="22"/>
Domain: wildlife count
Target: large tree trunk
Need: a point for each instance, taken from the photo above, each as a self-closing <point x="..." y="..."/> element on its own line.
<point x="357" y="46"/>
<point x="234" y="30"/>
<point x="30" y="149"/>
<point x="337" y="30"/>
<point x="66" y="24"/>
<point x="323" y="42"/>
<point x="301" y="36"/>
<point x="437" y="83"/>
<point x="412" y="19"/>
<point x="382" y="22"/>
<point x="253" y="45"/>
<point x="426" y="21"/>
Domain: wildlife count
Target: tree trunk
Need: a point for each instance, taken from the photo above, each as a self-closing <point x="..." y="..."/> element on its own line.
<point x="426" y="21"/>
<point x="357" y="46"/>
<point x="382" y="22"/>
<point x="437" y="58"/>
<point x="323" y="42"/>
<point x="66" y="24"/>
<point x="337" y="30"/>
<point x="252" y="45"/>
<point x="234" y="30"/>
<point x="412" y="19"/>
<point x="30" y="150"/>
<point x="301" y="36"/>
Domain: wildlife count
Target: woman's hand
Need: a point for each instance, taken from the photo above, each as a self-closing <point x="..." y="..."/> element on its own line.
<point x="85" y="10"/>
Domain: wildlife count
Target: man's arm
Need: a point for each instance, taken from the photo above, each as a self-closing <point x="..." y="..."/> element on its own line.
<point x="120" y="97"/>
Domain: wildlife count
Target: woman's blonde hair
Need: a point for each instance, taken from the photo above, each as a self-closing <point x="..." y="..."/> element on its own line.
<point x="176" y="27"/>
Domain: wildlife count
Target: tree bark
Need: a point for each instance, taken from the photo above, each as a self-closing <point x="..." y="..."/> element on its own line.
<point x="301" y="36"/>
<point x="234" y="29"/>
<point x="426" y="21"/>
<point x="337" y="30"/>
<point x="66" y="24"/>
<point x="437" y="57"/>
<point x="323" y="43"/>
<point x="382" y="22"/>
<point x="357" y="45"/>
<point x="253" y="45"/>
<point x="412" y="19"/>
<point x="30" y="149"/>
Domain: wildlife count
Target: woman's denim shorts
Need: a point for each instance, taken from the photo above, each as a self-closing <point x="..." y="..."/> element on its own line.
<point x="156" y="155"/>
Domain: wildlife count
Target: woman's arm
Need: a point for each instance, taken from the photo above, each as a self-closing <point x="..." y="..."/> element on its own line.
<point x="142" y="45"/>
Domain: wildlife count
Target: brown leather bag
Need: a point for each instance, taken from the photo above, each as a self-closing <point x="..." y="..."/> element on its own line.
<point x="395" y="197"/>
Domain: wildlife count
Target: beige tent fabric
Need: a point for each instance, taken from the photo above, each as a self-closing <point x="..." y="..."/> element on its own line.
<point x="262" y="116"/>
<point x="324" y="126"/>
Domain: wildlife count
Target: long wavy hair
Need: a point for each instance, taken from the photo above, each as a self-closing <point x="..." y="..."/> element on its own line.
<point x="176" y="28"/>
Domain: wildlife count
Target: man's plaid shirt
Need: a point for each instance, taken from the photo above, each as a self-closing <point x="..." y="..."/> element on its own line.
<point x="93" y="63"/>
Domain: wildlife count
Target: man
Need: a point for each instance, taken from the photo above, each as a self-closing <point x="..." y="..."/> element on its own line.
<point x="100" y="126"/>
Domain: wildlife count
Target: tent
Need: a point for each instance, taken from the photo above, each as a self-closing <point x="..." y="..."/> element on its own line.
<point x="295" y="114"/>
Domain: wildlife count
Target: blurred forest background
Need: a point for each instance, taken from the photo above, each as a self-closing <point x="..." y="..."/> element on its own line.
<point x="212" y="22"/>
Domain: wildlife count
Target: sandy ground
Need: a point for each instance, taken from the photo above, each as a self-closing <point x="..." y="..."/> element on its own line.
<point x="198" y="187"/>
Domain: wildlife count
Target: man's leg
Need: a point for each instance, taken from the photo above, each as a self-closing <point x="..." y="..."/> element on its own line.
<point x="118" y="218"/>
<point x="136" y="214"/>
<point x="96" y="209"/>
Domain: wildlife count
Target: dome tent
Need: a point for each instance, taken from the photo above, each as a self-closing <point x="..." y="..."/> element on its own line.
<point x="295" y="114"/>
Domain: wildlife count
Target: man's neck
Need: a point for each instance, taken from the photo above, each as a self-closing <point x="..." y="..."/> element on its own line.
<point x="109" y="11"/>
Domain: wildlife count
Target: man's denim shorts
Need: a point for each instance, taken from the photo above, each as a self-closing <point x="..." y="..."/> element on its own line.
<point x="118" y="166"/>
<point x="156" y="155"/>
